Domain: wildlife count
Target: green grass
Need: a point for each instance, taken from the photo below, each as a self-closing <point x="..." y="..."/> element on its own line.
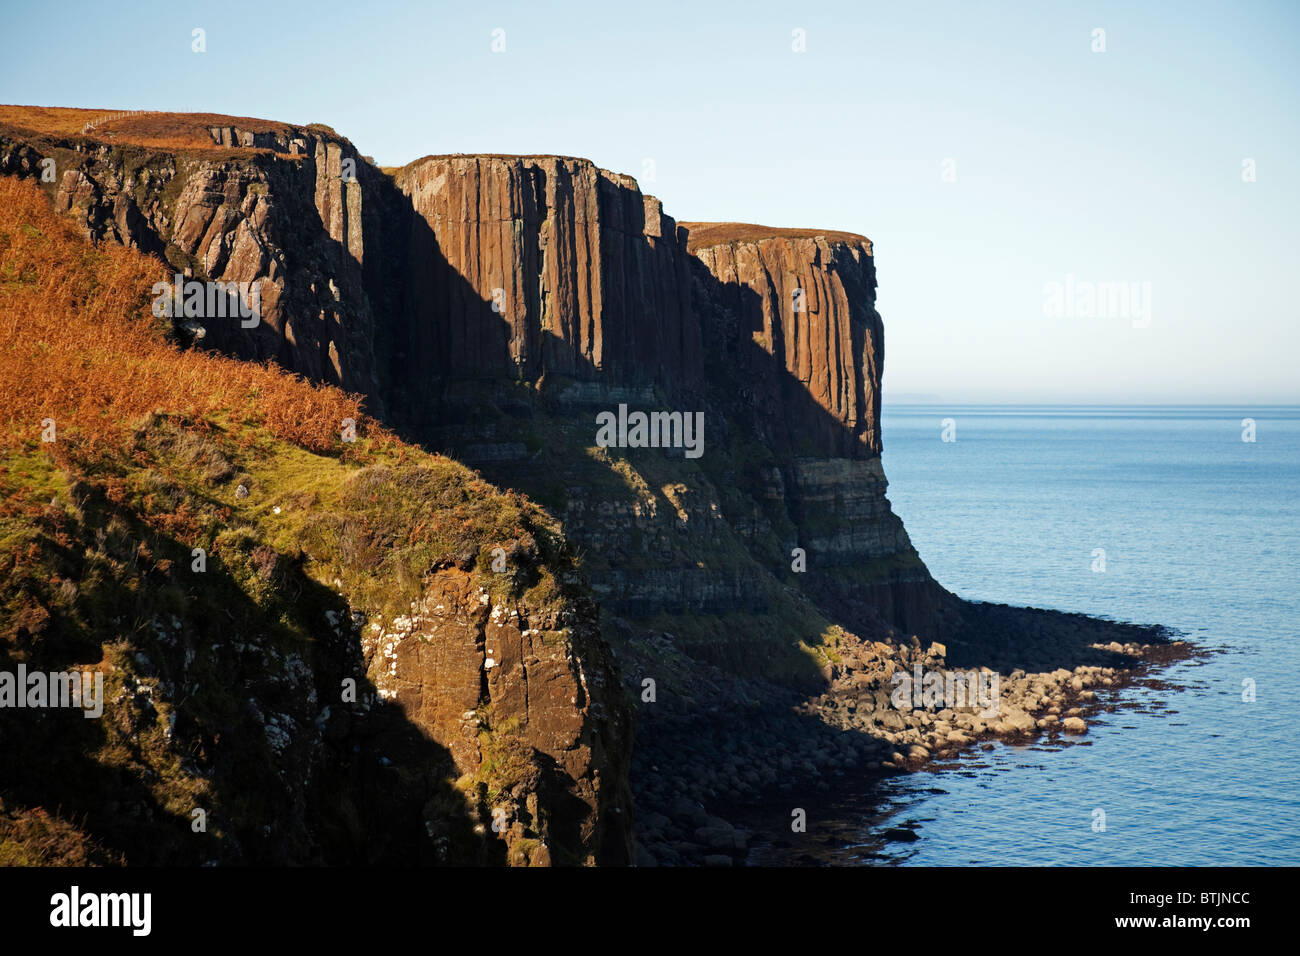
<point x="94" y="550"/>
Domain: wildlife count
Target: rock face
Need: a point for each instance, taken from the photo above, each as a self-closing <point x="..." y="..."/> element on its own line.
<point x="795" y="355"/>
<point x="289" y="228"/>
<point x="803" y="330"/>
<point x="542" y="270"/>
<point x="278" y="140"/>
<point x="532" y="266"/>
<point x="522" y="698"/>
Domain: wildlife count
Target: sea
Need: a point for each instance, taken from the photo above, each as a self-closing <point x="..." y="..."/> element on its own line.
<point x="1184" y="516"/>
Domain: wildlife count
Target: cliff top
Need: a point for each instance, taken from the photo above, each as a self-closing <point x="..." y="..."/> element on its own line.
<point x="156" y="128"/>
<point x="503" y="157"/>
<point x="569" y="159"/>
<point x="705" y="234"/>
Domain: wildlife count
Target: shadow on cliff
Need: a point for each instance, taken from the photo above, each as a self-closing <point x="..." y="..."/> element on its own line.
<point x="907" y="601"/>
<point x="490" y="401"/>
<point x="365" y="786"/>
<point x="748" y="381"/>
<point x="751" y="401"/>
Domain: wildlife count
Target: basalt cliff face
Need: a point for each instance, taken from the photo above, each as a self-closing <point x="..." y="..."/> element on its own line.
<point x="808" y="303"/>
<point x="490" y="307"/>
<point x="529" y="266"/>
<point x="544" y="292"/>
<point x="796" y="344"/>
<point x="539" y="291"/>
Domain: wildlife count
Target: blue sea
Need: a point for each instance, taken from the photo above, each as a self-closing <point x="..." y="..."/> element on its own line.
<point x="1201" y="532"/>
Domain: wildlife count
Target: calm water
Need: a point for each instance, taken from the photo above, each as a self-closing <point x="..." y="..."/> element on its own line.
<point x="1201" y="532"/>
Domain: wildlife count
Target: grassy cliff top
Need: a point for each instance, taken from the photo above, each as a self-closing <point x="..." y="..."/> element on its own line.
<point x="94" y="389"/>
<point x="705" y="234"/>
<point x="154" y="128"/>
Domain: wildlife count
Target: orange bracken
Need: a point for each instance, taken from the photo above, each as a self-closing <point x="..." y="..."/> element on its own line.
<point x="79" y="344"/>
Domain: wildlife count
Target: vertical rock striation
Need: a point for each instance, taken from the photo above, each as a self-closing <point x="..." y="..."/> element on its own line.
<point x="802" y="329"/>
<point x="792" y="329"/>
<point x="528" y="266"/>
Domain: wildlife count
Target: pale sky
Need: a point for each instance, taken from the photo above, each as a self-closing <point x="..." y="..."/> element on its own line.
<point x="1123" y="166"/>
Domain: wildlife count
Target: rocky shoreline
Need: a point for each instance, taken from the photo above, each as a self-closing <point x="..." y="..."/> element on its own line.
<point x="706" y="794"/>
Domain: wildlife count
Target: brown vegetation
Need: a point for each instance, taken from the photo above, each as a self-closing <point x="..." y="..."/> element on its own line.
<point x="185" y="132"/>
<point x="705" y="234"/>
<point x="79" y="344"/>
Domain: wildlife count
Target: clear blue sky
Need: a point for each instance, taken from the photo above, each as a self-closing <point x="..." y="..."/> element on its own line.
<point x="1122" y="166"/>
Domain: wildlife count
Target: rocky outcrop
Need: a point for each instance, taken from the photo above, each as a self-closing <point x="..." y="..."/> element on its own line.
<point x="280" y="141"/>
<point x="795" y="357"/>
<point x="802" y="328"/>
<point x="527" y="266"/>
<point x="461" y="733"/>
<point x="288" y="229"/>
<point x="523" y="700"/>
